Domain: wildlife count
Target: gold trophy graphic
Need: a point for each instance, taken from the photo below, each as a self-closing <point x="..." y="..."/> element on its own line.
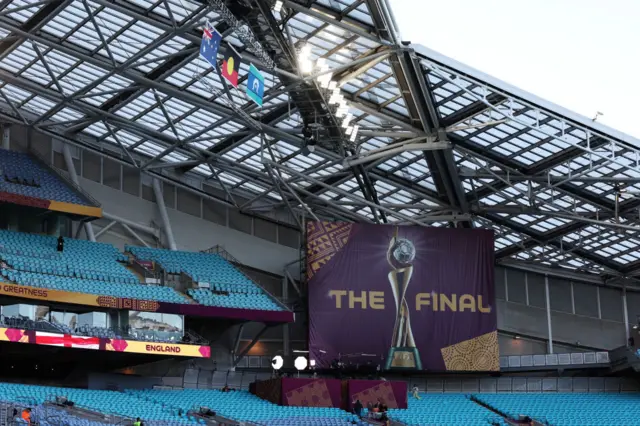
<point x="403" y="352"/>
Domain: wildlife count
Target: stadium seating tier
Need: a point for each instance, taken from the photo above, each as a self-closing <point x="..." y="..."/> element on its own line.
<point x="229" y="288"/>
<point x="569" y="409"/>
<point x="35" y="180"/>
<point x="444" y="410"/>
<point x="243" y="406"/>
<point x="83" y="267"/>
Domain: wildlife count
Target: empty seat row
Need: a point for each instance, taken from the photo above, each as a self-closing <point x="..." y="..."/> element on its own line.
<point x="229" y="287"/>
<point x="569" y="409"/>
<point x="107" y="402"/>
<point x="231" y="300"/>
<point x="444" y="409"/>
<point x="49" y="416"/>
<point x="101" y="288"/>
<point x="201" y="267"/>
<point x="245" y="407"/>
<point x="80" y="258"/>
<point x="41" y="182"/>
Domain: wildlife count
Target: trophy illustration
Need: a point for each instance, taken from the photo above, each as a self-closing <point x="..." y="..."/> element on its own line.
<point x="403" y="352"/>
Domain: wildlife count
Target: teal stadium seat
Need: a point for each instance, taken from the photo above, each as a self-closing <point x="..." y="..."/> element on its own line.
<point x="444" y="410"/>
<point x="230" y="288"/>
<point x="245" y="407"/>
<point x="83" y="267"/>
<point x="108" y="402"/>
<point x="171" y="407"/>
<point x="570" y="409"/>
<point x="42" y="183"/>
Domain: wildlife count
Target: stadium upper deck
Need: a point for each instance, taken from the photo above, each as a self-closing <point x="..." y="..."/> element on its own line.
<point x="96" y="274"/>
<point x="429" y="140"/>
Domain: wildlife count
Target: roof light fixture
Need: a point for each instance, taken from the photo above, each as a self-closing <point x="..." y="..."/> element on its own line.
<point x="304" y="59"/>
<point x="277" y="362"/>
<point x="354" y="133"/>
<point x="301" y="363"/>
<point x="346" y="120"/>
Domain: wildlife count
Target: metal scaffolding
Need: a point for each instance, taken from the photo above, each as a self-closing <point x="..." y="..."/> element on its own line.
<point x="439" y="143"/>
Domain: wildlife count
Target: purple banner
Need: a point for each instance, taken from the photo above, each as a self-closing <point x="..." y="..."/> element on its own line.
<point x="403" y="297"/>
<point x="312" y="392"/>
<point x="391" y="394"/>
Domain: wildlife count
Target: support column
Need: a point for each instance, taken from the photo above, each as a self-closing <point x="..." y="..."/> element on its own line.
<point x="134" y="225"/>
<point x="625" y="311"/>
<point x="286" y="345"/>
<point x="71" y="168"/>
<point x="6" y="137"/>
<point x="546" y="294"/>
<point x="246" y="350"/>
<point x="106" y="228"/>
<point x="166" y="224"/>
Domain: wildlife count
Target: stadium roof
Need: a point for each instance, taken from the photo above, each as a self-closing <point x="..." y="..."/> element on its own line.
<point x="437" y="143"/>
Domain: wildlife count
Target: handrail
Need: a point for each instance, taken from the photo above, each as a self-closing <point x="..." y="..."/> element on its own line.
<point x="85" y="330"/>
<point x="222" y="252"/>
<point x="58" y="173"/>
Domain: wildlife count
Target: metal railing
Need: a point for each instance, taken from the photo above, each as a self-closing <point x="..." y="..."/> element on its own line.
<point x="58" y="173"/>
<point x="579" y="359"/>
<point x="220" y="251"/>
<point x="105" y="332"/>
<point x="146" y="273"/>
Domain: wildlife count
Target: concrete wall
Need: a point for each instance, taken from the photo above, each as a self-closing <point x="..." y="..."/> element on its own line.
<point x="583" y="315"/>
<point x="190" y="232"/>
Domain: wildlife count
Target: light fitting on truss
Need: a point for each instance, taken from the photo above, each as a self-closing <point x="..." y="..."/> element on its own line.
<point x="324" y="79"/>
<point x="304" y="59"/>
<point x="416" y="144"/>
<point x="277" y="7"/>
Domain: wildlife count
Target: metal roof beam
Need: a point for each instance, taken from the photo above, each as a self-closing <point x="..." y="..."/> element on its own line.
<point x="471" y="110"/>
<point x="34" y="23"/>
<point x="550" y="239"/>
<point x="421" y="105"/>
<point x="332" y="17"/>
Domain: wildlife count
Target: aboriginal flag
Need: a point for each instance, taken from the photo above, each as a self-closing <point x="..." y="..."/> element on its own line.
<point x="231" y="66"/>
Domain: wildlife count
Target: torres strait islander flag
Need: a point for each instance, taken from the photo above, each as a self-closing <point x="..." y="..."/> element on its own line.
<point x="231" y="66"/>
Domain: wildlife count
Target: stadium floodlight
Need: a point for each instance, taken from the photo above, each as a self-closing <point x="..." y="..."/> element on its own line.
<point x="301" y="363"/>
<point x="277" y="362"/>
<point x="278" y="6"/>
<point x="304" y="58"/>
<point x="346" y="120"/>
<point x="354" y="133"/>
<point x="311" y="145"/>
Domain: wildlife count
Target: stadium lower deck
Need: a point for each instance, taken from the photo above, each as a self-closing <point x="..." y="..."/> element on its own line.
<point x="175" y="407"/>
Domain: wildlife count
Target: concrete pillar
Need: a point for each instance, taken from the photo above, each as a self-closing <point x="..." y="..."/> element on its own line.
<point x="549" y="328"/>
<point x="71" y="168"/>
<point x="286" y="342"/>
<point x="162" y="208"/>
<point x="625" y="311"/>
<point x="6" y="137"/>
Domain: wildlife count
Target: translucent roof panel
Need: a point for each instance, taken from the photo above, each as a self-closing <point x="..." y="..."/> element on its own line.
<point x="125" y="79"/>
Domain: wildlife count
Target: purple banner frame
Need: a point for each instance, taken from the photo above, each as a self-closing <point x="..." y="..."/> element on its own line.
<point x="393" y="394"/>
<point x="304" y="392"/>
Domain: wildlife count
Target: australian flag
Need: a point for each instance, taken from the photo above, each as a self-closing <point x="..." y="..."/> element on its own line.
<point x="211" y="39"/>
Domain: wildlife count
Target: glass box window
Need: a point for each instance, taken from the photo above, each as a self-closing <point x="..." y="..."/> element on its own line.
<point x="156" y="326"/>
